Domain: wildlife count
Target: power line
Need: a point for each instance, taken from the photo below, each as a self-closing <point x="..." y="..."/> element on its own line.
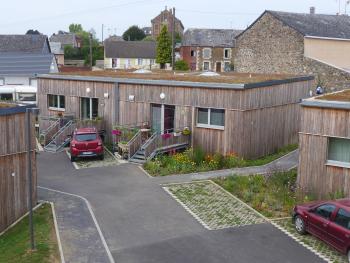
<point x="79" y="12"/>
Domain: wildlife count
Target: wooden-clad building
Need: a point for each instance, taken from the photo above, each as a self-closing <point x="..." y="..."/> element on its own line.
<point x="13" y="164"/>
<point x="324" y="142"/>
<point x="251" y="115"/>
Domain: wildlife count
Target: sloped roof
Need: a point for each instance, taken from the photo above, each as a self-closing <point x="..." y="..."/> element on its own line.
<point x="64" y="39"/>
<point x="24" y="43"/>
<point x="130" y="49"/>
<point x="317" y="25"/>
<point x="165" y="13"/>
<point x="25" y="64"/>
<point x="114" y="38"/>
<point x="210" y="37"/>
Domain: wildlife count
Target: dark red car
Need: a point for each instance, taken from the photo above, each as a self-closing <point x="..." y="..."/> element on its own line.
<point x="329" y="221"/>
<point x="86" y="142"/>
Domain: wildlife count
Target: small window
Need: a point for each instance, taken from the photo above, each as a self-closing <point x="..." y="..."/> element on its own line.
<point x="227" y="53"/>
<point x="228" y="67"/>
<point x="325" y="211"/>
<point x="139" y="61"/>
<point x="343" y="218"/>
<point x="193" y="53"/>
<point x="27" y="97"/>
<point x="206" y="66"/>
<point x="339" y="150"/>
<point x="211" y="118"/>
<point x="56" y="102"/>
<point x="206" y="53"/>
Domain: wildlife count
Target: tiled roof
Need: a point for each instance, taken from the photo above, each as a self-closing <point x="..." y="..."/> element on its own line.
<point x="130" y="49"/>
<point x="24" y="43"/>
<point x="64" y="39"/>
<point x="210" y="37"/>
<point x="23" y="64"/>
<point x="317" y="25"/>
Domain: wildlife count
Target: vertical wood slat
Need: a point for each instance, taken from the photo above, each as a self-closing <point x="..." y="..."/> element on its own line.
<point x="13" y="168"/>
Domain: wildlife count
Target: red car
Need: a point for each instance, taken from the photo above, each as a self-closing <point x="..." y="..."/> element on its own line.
<point x="86" y="142"/>
<point x="329" y="221"/>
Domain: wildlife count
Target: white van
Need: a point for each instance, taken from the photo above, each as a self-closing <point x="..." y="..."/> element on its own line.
<point x="19" y="93"/>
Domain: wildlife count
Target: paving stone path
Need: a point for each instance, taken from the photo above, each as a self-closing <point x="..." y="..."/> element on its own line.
<point x="80" y="237"/>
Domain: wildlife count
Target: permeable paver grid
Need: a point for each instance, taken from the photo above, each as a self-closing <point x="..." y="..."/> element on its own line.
<point x="109" y="160"/>
<point x="212" y="206"/>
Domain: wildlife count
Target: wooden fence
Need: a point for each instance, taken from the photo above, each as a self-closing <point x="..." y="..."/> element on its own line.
<point x="14" y="166"/>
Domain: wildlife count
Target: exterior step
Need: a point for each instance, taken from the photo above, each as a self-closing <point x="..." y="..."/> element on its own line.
<point x="138" y="161"/>
<point x="139" y="156"/>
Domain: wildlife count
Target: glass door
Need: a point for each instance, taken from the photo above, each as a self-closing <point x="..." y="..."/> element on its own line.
<point x="88" y="108"/>
<point x="169" y="118"/>
<point x="163" y="118"/>
<point x="156" y="112"/>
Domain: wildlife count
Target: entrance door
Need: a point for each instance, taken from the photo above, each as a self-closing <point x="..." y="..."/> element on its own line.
<point x="218" y="66"/>
<point x="163" y="118"/>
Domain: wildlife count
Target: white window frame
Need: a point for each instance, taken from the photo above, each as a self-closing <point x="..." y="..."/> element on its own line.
<point x="210" y="53"/>
<point x="229" y="53"/>
<point x="58" y="102"/>
<point x="209" y="69"/>
<point x="334" y="162"/>
<point x="208" y="125"/>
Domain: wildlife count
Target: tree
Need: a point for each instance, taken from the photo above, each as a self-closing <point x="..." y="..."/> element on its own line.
<point x="75" y="28"/>
<point x="181" y="65"/>
<point x="33" y="32"/>
<point x="163" y="48"/>
<point x="177" y="37"/>
<point x="148" y="38"/>
<point x="133" y="33"/>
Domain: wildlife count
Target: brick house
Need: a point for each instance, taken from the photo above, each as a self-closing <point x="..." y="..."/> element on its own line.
<point x="313" y="44"/>
<point x="166" y="17"/>
<point x="209" y="49"/>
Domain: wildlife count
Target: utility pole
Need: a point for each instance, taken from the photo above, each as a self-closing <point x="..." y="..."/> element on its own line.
<point x="173" y="41"/>
<point x="102" y="34"/>
<point x="90" y="50"/>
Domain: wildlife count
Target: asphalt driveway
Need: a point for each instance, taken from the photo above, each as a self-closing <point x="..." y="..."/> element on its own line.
<point x="142" y="223"/>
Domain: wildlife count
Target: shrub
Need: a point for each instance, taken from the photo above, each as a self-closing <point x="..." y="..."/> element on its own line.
<point x="181" y="65"/>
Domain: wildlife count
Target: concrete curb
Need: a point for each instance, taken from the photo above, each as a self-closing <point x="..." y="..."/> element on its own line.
<point x="93" y="218"/>
<point x="57" y="232"/>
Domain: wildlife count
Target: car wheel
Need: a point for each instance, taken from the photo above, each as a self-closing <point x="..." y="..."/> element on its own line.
<point x="102" y="156"/>
<point x="300" y="225"/>
<point x="349" y="255"/>
<point x="72" y="158"/>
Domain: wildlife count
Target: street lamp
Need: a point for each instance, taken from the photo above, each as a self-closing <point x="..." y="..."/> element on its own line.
<point x="35" y="112"/>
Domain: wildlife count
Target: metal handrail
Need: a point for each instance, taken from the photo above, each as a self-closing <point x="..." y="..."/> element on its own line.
<point x="63" y="128"/>
<point x="149" y="140"/>
<point x="134" y="137"/>
<point x="44" y="132"/>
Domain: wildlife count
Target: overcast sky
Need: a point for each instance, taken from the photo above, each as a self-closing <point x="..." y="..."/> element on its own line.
<point x="17" y="16"/>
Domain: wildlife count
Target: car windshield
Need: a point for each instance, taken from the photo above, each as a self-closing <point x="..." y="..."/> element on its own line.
<point x="86" y="137"/>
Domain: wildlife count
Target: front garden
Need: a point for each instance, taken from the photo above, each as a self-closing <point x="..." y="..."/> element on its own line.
<point x="195" y="160"/>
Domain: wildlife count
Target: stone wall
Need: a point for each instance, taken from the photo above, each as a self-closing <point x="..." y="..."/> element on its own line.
<point x="269" y="46"/>
<point x="217" y="55"/>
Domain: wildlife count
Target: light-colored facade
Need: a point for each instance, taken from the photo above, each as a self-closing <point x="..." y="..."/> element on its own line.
<point x="130" y="63"/>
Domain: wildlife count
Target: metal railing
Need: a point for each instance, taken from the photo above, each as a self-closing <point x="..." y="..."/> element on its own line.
<point x="134" y="144"/>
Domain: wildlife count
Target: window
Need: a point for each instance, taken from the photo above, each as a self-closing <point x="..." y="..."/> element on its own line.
<point x="206" y="53"/>
<point x="325" y="211"/>
<point x="2" y="82"/>
<point x="339" y="151"/>
<point x="228" y="67"/>
<point x="227" y="53"/>
<point x="211" y="118"/>
<point x="88" y="108"/>
<point x="343" y="218"/>
<point x="114" y="62"/>
<point x="206" y="66"/>
<point x="193" y="53"/>
<point x="56" y="102"/>
<point x="139" y="61"/>
<point x="27" y="96"/>
<point x="87" y="137"/>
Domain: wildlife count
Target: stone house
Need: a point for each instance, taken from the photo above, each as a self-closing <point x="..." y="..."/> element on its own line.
<point x="166" y="17"/>
<point x="130" y="55"/>
<point x="209" y="49"/>
<point x="313" y="44"/>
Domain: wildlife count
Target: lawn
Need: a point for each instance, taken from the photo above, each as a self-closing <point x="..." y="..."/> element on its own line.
<point x="14" y="244"/>
<point x="195" y="160"/>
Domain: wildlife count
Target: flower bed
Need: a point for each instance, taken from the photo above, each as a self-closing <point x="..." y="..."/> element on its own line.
<point x="195" y="160"/>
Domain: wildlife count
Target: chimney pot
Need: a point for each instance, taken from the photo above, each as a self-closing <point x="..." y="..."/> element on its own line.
<point x="312" y="10"/>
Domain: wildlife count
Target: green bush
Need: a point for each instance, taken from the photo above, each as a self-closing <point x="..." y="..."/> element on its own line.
<point x="181" y="65"/>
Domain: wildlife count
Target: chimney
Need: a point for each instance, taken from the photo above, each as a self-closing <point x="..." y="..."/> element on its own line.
<point x="312" y="10"/>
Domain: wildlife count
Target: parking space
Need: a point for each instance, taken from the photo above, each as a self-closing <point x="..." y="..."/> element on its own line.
<point x="212" y="206"/>
<point x="310" y="241"/>
<point x="109" y="160"/>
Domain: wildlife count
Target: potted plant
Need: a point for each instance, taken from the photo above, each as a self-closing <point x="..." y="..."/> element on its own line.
<point x="177" y="133"/>
<point x="186" y="131"/>
<point x="166" y="136"/>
